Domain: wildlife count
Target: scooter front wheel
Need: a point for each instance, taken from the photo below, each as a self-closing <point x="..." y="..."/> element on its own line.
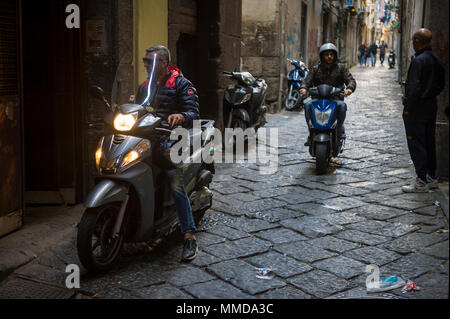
<point x="293" y="100"/>
<point x="322" y="158"/>
<point x="235" y="124"/>
<point x="97" y="249"/>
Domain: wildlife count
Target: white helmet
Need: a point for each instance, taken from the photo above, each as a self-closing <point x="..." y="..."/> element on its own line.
<point x="328" y="47"/>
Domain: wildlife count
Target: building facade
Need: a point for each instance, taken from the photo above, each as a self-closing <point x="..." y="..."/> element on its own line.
<point x="274" y="30"/>
<point x="50" y="125"/>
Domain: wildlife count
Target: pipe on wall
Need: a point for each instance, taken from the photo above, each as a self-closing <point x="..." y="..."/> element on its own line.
<point x="282" y="53"/>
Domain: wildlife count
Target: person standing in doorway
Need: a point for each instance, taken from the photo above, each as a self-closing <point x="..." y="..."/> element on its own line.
<point x="425" y="80"/>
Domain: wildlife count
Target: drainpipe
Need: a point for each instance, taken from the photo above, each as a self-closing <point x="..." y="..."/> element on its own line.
<point x="280" y="92"/>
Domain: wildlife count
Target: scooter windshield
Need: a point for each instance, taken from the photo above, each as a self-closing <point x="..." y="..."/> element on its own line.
<point x="123" y="90"/>
<point x="155" y="66"/>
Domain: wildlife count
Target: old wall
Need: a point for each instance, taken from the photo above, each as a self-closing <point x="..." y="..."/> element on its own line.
<point x="314" y="31"/>
<point x="437" y="20"/>
<point x="261" y="46"/>
<point x="182" y="21"/>
<point x="293" y="29"/>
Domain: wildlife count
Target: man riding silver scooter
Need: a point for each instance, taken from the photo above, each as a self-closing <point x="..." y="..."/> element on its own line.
<point x="141" y="195"/>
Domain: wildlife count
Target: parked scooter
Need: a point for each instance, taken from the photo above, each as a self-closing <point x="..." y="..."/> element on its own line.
<point x="294" y="100"/>
<point x="131" y="200"/>
<point x="243" y="101"/>
<point x="323" y="126"/>
<point x="391" y="59"/>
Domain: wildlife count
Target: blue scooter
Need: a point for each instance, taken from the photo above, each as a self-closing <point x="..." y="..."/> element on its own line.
<point x="324" y="138"/>
<point x="294" y="100"/>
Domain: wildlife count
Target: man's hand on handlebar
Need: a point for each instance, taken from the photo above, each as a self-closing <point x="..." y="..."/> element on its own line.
<point x="347" y="92"/>
<point x="175" y="119"/>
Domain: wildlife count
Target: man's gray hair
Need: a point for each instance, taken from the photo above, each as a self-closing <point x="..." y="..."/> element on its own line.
<point x="162" y="50"/>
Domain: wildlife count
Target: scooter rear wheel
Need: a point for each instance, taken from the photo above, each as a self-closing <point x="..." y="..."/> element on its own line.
<point x="97" y="249"/>
<point x="322" y="159"/>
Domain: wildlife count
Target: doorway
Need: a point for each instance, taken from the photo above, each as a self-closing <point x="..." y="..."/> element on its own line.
<point x="51" y="104"/>
<point x="187" y="56"/>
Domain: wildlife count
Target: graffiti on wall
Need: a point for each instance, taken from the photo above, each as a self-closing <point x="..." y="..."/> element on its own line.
<point x="293" y="43"/>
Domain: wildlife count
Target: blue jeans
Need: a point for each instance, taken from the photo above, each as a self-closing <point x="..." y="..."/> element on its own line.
<point x="361" y="60"/>
<point x="373" y="59"/>
<point x="180" y="198"/>
<point x="341" y="109"/>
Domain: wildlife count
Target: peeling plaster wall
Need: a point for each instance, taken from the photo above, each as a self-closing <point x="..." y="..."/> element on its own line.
<point x="437" y="20"/>
<point x="261" y="46"/>
<point x="314" y="31"/>
<point x="262" y="43"/>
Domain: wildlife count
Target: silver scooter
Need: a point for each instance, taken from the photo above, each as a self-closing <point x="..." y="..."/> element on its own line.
<point x="131" y="200"/>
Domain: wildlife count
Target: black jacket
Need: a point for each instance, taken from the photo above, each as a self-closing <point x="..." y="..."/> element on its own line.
<point x="426" y="79"/>
<point x="373" y="49"/>
<point x="339" y="77"/>
<point x="177" y="96"/>
<point x="362" y="49"/>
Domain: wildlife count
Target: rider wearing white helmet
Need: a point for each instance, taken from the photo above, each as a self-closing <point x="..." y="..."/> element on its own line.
<point x="330" y="72"/>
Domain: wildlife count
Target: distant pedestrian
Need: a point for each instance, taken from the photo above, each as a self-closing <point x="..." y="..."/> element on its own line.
<point x="373" y="54"/>
<point x="383" y="48"/>
<point x="367" y="55"/>
<point x="426" y="79"/>
<point x="361" y="53"/>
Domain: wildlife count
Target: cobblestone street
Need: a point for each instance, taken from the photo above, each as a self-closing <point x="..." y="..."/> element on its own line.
<point x="317" y="233"/>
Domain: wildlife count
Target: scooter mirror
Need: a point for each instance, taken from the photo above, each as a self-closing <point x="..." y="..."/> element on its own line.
<point x="97" y="92"/>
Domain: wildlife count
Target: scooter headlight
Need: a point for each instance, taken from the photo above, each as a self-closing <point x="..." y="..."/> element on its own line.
<point x="99" y="153"/>
<point x="131" y="157"/>
<point x="247" y="78"/>
<point x="246" y="98"/>
<point x="125" y="122"/>
<point x="135" y="154"/>
<point x="322" y="118"/>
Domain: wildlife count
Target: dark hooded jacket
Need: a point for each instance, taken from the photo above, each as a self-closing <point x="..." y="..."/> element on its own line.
<point x="177" y="96"/>
<point x="338" y="76"/>
<point x="425" y="81"/>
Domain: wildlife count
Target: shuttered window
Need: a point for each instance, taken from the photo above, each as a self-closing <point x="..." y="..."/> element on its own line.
<point x="8" y="48"/>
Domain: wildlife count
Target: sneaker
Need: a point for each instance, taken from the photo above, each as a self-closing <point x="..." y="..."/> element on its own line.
<point x="418" y="186"/>
<point x="189" y="249"/>
<point x="432" y="182"/>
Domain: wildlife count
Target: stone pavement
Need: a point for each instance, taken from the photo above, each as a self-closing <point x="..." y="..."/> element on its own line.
<point x="317" y="233"/>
